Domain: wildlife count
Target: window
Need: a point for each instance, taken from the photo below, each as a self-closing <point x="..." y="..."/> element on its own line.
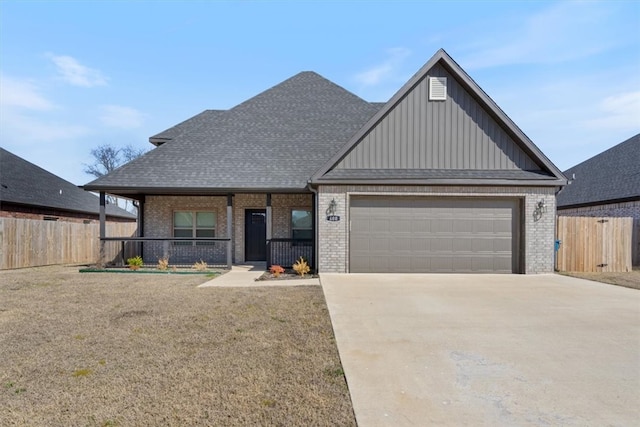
<point x="194" y="224"/>
<point x="301" y="224"/>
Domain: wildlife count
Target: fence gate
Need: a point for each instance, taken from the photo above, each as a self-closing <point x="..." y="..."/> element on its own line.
<point x="594" y="244"/>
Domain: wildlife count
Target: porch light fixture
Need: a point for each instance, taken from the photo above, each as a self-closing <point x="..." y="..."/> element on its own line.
<point x="333" y="206"/>
<point x="331" y="211"/>
<point x="541" y="207"/>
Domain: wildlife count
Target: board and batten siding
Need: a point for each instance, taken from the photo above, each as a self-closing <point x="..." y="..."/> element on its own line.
<point x="457" y="133"/>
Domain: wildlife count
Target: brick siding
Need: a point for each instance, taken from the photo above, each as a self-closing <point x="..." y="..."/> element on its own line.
<point x="158" y="214"/>
<point x="538" y="233"/>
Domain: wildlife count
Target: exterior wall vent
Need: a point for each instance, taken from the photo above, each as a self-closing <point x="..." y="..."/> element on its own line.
<point x="437" y="88"/>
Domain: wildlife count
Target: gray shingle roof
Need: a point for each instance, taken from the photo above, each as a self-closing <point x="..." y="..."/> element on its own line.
<point x="24" y="183"/>
<point x="611" y="175"/>
<point x="275" y="140"/>
<point x="186" y="126"/>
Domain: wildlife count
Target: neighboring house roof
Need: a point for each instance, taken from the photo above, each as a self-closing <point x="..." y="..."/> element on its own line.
<point x="507" y="156"/>
<point x="24" y="183"/>
<point x="274" y="141"/>
<point x="609" y="177"/>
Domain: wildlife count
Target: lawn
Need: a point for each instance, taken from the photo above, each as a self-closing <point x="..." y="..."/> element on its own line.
<point x="114" y="349"/>
<point x="629" y="279"/>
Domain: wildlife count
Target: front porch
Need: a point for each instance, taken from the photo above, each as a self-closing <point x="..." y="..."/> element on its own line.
<point x="220" y="230"/>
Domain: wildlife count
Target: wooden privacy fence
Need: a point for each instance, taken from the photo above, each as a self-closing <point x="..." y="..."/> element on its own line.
<point x="30" y="243"/>
<point x="594" y="244"/>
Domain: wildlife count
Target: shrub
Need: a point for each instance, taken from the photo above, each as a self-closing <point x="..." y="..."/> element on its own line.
<point x="163" y="264"/>
<point x="301" y="267"/>
<point x="276" y="270"/>
<point x="200" y="265"/>
<point x="135" y="262"/>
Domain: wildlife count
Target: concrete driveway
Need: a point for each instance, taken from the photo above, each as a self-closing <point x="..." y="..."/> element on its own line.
<point x="492" y="350"/>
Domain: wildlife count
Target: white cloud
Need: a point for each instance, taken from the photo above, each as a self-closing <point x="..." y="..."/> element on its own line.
<point x="562" y="32"/>
<point x="23" y="94"/>
<point x="26" y="115"/>
<point x="620" y="111"/>
<point x="121" y="117"/>
<point x="77" y="74"/>
<point x="385" y="70"/>
<point x="23" y="128"/>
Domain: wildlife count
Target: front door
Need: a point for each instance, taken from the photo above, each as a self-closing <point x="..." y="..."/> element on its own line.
<point x="255" y="235"/>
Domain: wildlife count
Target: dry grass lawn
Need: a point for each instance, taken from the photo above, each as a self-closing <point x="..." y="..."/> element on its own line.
<point x="628" y="280"/>
<point x="108" y="349"/>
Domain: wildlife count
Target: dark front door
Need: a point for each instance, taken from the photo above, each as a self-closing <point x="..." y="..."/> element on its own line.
<point x="255" y="235"/>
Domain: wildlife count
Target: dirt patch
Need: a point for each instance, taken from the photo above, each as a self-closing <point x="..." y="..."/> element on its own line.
<point x="114" y="349"/>
<point x="629" y="279"/>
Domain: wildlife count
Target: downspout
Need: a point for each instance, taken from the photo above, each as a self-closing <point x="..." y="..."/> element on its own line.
<point x="555" y="225"/>
<point x="315" y="225"/>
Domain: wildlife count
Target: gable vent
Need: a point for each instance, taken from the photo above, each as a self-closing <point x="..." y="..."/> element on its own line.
<point x="437" y="88"/>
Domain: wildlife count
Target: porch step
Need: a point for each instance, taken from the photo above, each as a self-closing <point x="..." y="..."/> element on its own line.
<point x="254" y="266"/>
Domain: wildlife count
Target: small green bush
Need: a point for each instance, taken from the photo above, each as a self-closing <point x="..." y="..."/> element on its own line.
<point x="135" y="262"/>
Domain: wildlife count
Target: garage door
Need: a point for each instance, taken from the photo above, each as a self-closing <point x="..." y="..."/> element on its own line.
<point x="428" y="235"/>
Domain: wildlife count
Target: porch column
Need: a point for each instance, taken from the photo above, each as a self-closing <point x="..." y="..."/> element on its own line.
<point x="140" y="246"/>
<point x="269" y="217"/>
<point x="103" y="227"/>
<point x="141" y="201"/>
<point x="229" y="229"/>
<point x="314" y="220"/>
<point x="269" y="230"/>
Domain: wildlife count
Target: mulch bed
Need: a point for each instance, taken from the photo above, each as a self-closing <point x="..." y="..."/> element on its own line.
<point x="287" y="275"/>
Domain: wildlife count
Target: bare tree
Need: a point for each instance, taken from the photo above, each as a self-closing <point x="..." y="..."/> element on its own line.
<point x="108" y="158"/>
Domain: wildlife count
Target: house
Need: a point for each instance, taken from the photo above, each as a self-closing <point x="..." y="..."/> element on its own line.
<point x="607" y="185"/>
<point x="28" y="191"/>
<point x="437" y="179"/>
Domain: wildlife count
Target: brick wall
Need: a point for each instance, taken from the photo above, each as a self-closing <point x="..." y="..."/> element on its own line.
<point x="617" y="210"/>
<point x="281" y="206"/>
<point x="158" y="217"/>
<point x="158" y="222"/>
<point x="538" y="232"/>
<point x="22" y="212"/>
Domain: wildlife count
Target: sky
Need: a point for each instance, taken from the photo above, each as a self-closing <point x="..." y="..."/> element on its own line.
<point x="78" y="74"/>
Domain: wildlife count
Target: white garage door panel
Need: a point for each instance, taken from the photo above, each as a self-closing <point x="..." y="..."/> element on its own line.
<point x="405" y="234"/>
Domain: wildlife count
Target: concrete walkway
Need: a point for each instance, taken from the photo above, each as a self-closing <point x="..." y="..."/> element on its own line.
<point x="245" y="276"/>
<point x="487" y="350"/>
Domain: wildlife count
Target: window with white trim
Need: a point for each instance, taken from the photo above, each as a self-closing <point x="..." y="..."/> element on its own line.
<point x="194" y="224"/>
<point x="301" y="224"/>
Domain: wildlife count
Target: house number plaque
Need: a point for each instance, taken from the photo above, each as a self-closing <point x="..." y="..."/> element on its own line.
<point x="331" y="211"/>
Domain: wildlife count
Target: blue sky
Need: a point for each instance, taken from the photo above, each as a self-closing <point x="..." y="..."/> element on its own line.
<point x="74" y="75"/>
